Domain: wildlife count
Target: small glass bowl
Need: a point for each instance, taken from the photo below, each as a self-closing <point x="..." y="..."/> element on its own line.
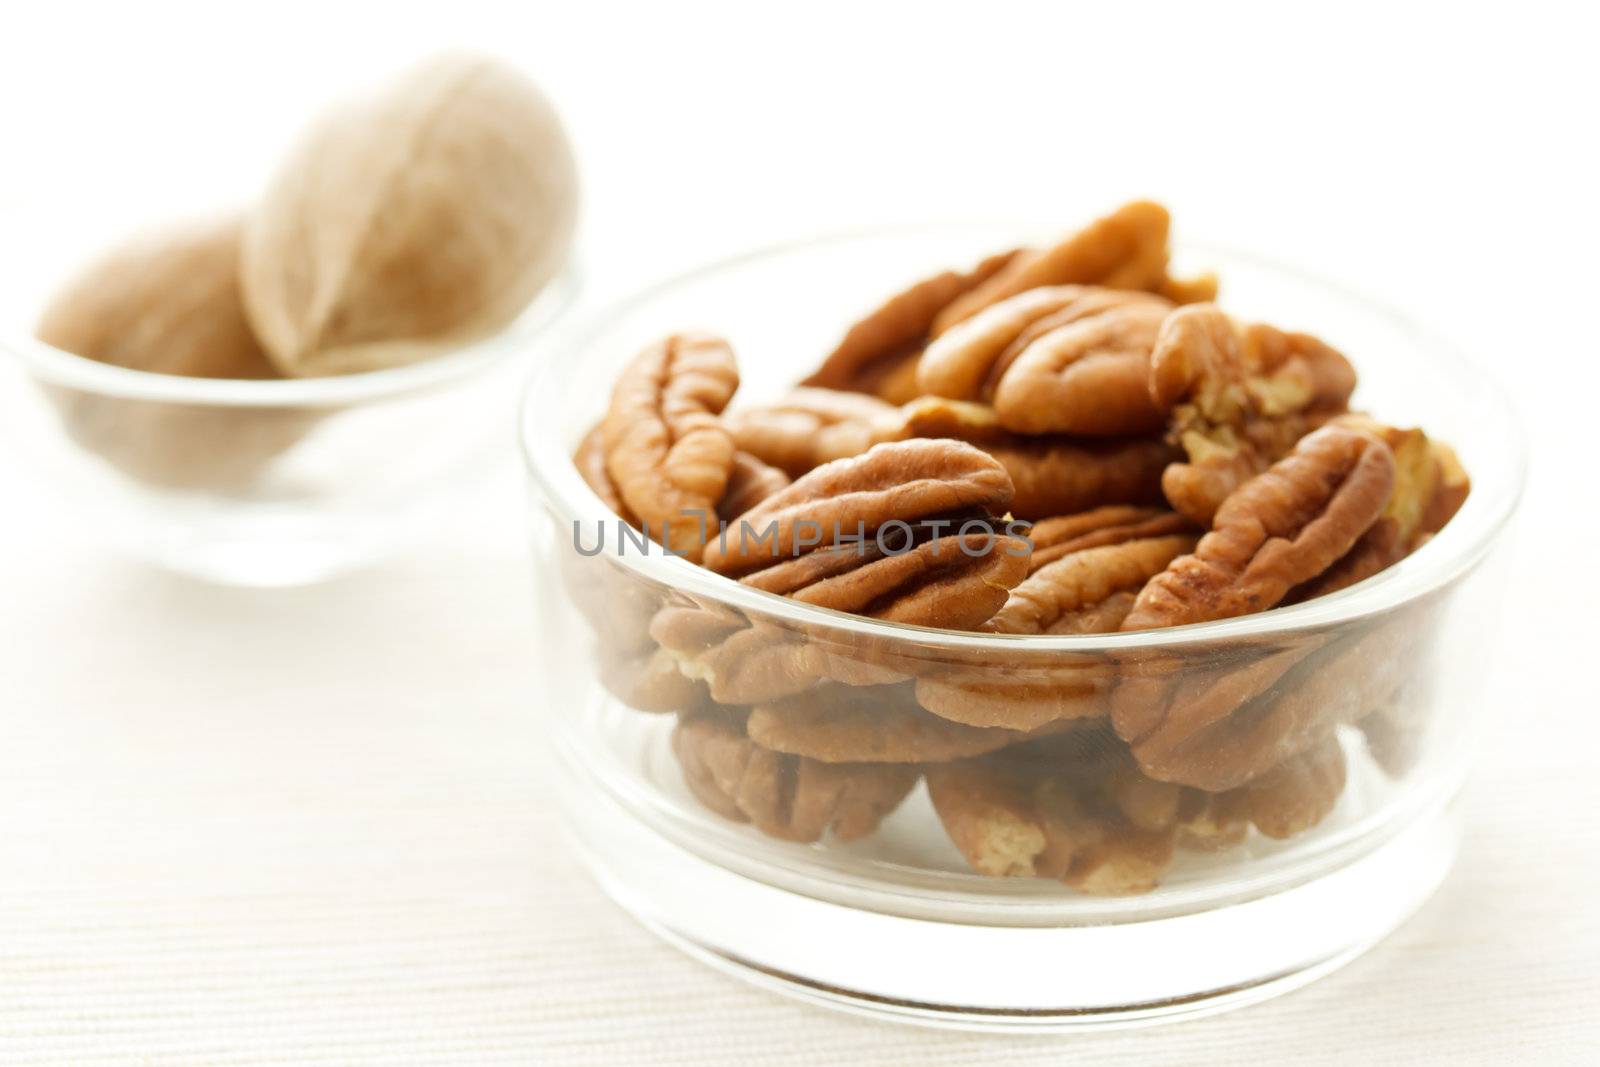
<point x="1381" y="681"/>
<point x="265" y="483"/>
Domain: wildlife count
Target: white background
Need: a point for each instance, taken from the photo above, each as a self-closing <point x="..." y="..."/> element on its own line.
<point x="309" y="827"/>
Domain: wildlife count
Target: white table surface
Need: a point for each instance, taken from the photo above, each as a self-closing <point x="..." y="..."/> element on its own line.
<point x="311" y="826"/>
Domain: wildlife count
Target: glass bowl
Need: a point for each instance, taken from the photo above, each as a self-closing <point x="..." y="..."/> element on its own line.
<point x="1318" y="802"/>
<point x="264" y="483"/>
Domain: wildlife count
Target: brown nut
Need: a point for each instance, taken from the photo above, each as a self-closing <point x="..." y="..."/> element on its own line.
<point x="1217" y="729"/>
<point x="1296" y="795"/>
<point x="1240" y="397"/>
<point x="878" y="354"/>
<point x="810" y="427"/>
<point x="169" y="304"/>
<point x="649" y="681"/>
<point x="897" y="483"/>
<point x="1051" y="599"/>
<point x="1034" y="820"/>
<point x="1050" y="475"/>
<point x="667" y="454"/>
<point x="787" y="797"/>
<point x="1424" y="495"/>
<point x="1281" y="528"/>
<point x="953" y="582"/>
<point x="1088" y="591"/>
<point x="868" y="724"/>
<point x="750" y="481"/>
<point x="1124" y="250"/>
<point x="1114" y="524"/>
<point x="590" y="459"/>
<point x="412" y="222"/>
<point x="1065" y="359"/>
<point x="1220" y="459"/>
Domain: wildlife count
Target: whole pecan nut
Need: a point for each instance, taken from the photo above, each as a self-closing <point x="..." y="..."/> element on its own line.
<point x="665" y="450"/>
<point x="787" y="797"/>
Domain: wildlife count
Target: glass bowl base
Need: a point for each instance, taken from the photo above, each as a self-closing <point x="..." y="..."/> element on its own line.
<point x="1016" y="978"/>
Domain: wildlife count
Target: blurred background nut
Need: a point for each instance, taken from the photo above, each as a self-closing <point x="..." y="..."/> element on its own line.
<point x="412" y="222"/>
<point x="168" y="303"/>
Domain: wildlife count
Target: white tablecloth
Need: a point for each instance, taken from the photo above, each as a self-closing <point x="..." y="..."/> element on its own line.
<point x="311" y="827"/>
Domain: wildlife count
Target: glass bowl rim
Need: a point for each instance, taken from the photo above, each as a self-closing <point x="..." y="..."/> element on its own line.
<point x="1447" y="556"/>
<point x="68" y="370"/>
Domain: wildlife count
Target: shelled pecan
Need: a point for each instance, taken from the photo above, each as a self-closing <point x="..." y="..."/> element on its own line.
<point x="1124" y="250"/>
<point x="810" y="426"/>
<point x="1240" y="396"/>
<point x="666" y="452"/>
<point x="787" y="797"/>
<point x="1054" y="474"/>
<point x="889" y="486"/>
<point x="1284" y="527"/>
<point x="869" y="724"/>
<point x="1063" y="359"/>
<point x="878" y="354"/>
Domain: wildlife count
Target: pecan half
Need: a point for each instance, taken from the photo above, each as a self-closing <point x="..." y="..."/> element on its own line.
<point x="868" y="724"/>
<point x="1425" y="497"/>
<point x="783" y="796"/>
<point x="1088" y="591"/>
<point x="1124" y="250"/>
<point x="1064" y="359"/>
<point x="1283" y="527"/>
<point x="1240" y="396"/>
<point x="1296" y="795"/>
<point x="1036" y="819"/>
<point x="897" y="483"/>
<point x="954" y="582"/>
<point x="1055" y="594"/>
<point x="590" y="459"/>
<point x="1114" y="524"/>
<point x="878" y="351"/>
<point x="810" y="427"/>
<point x="1050" y="475"/>
<point x="666" y="452"/>
<point x="750" y="481"/>
<point x="1220" y="459"/>
<point x="1220" y="728"/>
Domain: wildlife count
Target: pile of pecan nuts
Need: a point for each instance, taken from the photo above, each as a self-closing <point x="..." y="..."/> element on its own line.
<point x="1061" y="440"/>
